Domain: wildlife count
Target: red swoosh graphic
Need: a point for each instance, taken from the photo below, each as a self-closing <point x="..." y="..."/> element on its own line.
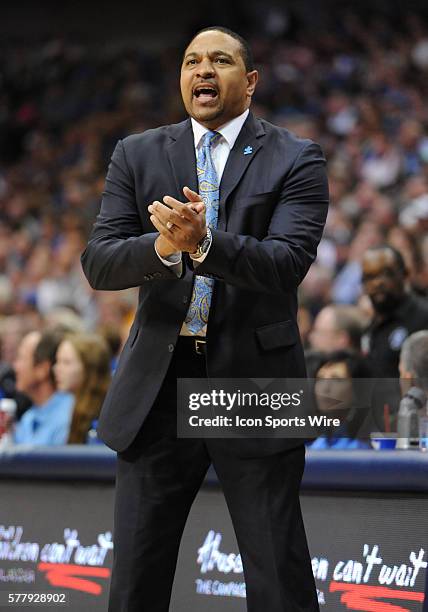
<point x="363" y="597"/>
<point x="67" y="575"/>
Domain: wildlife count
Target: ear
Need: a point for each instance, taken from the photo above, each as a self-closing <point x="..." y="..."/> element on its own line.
<point x="404" y="373"/>
<point x="344" y="339"/>
<point x="252" y="78"/>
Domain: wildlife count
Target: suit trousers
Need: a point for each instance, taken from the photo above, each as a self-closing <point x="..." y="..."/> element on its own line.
<point x="158" y="477"/>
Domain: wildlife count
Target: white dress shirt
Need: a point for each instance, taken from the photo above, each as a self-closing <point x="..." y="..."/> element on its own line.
<point x="222" y="146"/>
<point x="219" y="153"/>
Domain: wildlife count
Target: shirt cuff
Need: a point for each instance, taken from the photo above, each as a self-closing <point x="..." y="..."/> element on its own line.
<point x="173" y="261"/>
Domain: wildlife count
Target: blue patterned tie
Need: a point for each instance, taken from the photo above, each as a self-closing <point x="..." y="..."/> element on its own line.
<point x="209" y="190"/>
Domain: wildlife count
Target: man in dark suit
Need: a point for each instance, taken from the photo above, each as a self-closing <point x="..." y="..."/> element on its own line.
<point x="218" y="282"/>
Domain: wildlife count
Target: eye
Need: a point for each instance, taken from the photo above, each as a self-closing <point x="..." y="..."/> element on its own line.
<point x="222" y="60"/>
<point x="191" y="62"/>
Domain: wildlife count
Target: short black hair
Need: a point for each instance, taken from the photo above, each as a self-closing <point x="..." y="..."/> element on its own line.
<point x="246" y="52"/>
<point x="356" y="364"/>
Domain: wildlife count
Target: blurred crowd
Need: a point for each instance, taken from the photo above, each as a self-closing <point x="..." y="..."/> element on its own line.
<point x="358" y="87"/>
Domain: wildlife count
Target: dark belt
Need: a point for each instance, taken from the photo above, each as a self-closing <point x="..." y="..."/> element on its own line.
<point x="193" y="343"/>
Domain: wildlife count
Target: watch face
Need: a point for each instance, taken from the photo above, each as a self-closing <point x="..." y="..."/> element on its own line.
<point x="205" y="244"/>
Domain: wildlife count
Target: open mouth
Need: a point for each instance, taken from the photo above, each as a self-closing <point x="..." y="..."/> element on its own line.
<point x="205" y="93"/>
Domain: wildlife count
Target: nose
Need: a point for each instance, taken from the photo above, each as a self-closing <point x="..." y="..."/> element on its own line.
<point x="327" y="387"/>
<point x="206" y="68"/>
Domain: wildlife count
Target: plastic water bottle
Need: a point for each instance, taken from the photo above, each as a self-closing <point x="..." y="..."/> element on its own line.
<point x="423" y="430"/>
<point x="92" y="436"/>
<point x="408" y="418"/>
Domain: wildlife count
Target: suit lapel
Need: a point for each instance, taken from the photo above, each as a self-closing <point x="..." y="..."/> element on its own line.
<point x="244" y="150"/>
<point x="181" y="153"/>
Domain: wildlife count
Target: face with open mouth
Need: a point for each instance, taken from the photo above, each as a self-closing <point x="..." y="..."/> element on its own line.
<point x="215" y="85"/>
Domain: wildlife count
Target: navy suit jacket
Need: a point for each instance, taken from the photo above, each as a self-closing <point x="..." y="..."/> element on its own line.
<point x="273" y="206"/>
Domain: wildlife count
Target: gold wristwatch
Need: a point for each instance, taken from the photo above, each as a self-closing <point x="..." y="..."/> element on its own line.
<point x="203" y="245"/>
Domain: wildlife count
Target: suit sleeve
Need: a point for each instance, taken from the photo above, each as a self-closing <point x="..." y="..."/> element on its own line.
<point x="279" y="262"/>
<point x="119" y="255"/>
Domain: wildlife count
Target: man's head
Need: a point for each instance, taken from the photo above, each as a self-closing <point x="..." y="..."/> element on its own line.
<point x="337" y="327"/>
<point x="217" y="76"/>
<point x="34" y="364"/>
<point x="384" y="277"/>
<point x="413" y="364"/>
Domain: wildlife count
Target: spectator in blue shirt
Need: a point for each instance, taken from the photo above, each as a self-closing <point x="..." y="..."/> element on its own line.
<point x="83" y="367"/>
<point x="47" y="422"/>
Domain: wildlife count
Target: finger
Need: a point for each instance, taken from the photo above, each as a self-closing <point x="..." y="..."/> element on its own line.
<point x="197" y="207"/>
<point x="167" y="215"/>
<point x="159" y="226"/>
<point x="162" y="229"/>
<point x="182" y="209"/>
<point x="167" y="228"/>
<point x="173" y="203"/>
<point x="192" y="196"/>
<point x="160" y="209"/>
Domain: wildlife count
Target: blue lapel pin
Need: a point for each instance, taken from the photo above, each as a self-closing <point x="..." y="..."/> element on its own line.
<point x="248" y="150"/>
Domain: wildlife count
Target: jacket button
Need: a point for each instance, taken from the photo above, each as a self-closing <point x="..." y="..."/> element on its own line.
<point x="170" y="347"/>
<point x="185" y="299"/>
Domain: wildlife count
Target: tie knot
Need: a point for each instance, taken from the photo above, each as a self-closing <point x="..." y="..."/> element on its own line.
<point x="209" y="138"/>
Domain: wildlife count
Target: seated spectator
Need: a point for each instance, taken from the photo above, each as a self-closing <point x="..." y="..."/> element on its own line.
<point x="337" y="396"/>
<point x="47" y="422"/>
<point x="397" y="312"/>
<point x="83" y="368"/>
<point x="413" y="364"/>
<point x="337" y="327"/>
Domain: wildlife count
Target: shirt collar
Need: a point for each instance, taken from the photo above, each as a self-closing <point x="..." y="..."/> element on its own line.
<point x="229" y="130"/>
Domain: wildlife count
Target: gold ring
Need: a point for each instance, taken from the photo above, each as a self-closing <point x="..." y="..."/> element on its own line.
<point x="169" y="225"/>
